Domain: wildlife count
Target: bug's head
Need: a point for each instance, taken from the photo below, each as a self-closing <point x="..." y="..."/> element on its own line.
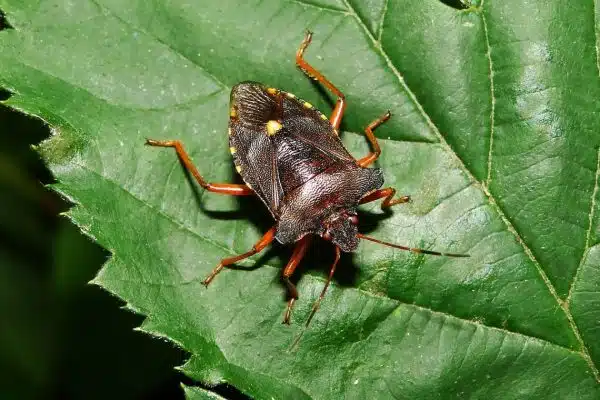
<point x="341" y="229"/>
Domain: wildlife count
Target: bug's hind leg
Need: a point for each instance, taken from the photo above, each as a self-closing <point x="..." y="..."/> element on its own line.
<point x="258" y="247"/>
<point x="340" y="105"/>
<point x="289" y="269"/>
<point x="372" y="156"/>
<point x="389" y="200"/>
<point x="232" y="189"/>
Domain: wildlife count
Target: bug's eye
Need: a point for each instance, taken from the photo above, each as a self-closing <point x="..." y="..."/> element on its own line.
<point x="353" y="219"/>
<point x="327" y="235"/>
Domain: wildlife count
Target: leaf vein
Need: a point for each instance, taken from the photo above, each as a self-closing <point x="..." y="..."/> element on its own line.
<point x="321" y="7"/>
<point x="593" y="203"/>
<point x="595" y="11"/>
<point x="478" y="325"/>
<point x="382" y="20"/>
<point x="468" y="349"/>
<point x="492" y="94"/>
<point x="589" y="230"/>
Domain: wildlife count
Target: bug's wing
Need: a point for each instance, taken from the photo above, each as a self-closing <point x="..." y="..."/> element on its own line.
<point x="279" y="142"/>
<point x="254" y="154"/>
<point x="306" y="124"/>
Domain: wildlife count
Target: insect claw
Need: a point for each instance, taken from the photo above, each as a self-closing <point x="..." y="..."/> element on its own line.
<point x="308" y="36"/>
<point x="404" y="199"/>
<point x="207" y="281"/>
<point x="399" y="200"/>
<point x="288" y="312"/>
<point x="305" y="42"/>
<point x="212" y="275"/>
<point x="161" y="143"/>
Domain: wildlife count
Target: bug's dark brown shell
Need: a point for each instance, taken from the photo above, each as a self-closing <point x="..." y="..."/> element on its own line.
<point x="280" y="144"/>
<point x="276" y="164"/>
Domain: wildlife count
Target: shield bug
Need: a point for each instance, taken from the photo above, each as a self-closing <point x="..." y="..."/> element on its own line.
<point x="290" y="156"/>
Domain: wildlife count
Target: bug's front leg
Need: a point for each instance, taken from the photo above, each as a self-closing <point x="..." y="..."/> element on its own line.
<point x="257" y="248"/>
<point x="389" y="200"/>
<point x="340" y="105"/>
<point x="289" y="269"/>
<point x="232" y="189"/>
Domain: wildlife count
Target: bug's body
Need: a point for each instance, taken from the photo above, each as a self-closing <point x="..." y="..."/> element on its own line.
<point x="301" y="170"/>
<point x="290" y="156"/>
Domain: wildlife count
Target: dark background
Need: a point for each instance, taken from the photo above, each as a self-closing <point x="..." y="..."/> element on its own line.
<point x="59" y="336"/>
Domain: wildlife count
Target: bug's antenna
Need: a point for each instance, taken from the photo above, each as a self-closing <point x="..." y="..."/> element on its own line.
<point x="413" y="249"/>
<point x="318" y="301"/>
<point x="294" y="345"/>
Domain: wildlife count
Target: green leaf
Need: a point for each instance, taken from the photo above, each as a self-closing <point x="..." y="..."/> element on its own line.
<point x="196" y="393"/>
<point x="494" y="136"/>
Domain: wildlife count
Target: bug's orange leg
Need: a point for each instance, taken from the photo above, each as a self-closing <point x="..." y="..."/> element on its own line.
<point x="297" y="255"/>
<point x="331" y="271"/>
<point x="232" y="189"/>
<point x="258" y="247"/>
<point x="369" y="158"/>
<point x="388" y="193"/>
<point x="340" y="105"/>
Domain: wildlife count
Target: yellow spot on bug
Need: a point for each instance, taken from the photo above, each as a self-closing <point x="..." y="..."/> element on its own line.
<point x="247" y="184"/>
<point x="229" y="131"/>
<point x="273" y="127"/>
<point x="308" y="105"/>
<point x="232" y="112"/>
<point x="232" y="150"/>
<point x="324" y="117"/>
<point x="290" y="95"/>
<point x="238" y="169"/>
<point x="272" y="90"/>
